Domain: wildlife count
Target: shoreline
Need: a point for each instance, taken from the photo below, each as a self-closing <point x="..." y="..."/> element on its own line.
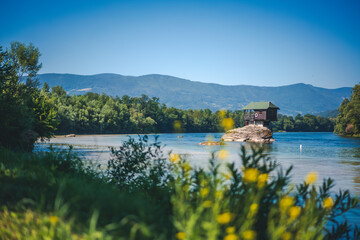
<point x="112" y="134"/>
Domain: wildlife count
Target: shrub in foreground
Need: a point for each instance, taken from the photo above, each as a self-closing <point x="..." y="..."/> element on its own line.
<point x="256" y="202"/>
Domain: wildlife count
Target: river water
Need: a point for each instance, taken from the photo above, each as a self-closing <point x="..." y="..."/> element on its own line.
<point x="325" y="153"/>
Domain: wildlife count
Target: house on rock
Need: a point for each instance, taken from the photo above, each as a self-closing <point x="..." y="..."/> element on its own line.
<point x="260" y="113"/>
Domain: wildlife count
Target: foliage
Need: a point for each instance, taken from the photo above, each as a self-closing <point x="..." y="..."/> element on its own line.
<point x="34" y="225"/>
<point x="348" y="120"/>
<point x="46" y="182"/>
<point x="254" y="203"/>
<point x="139" y="165"/>
<point x="26" y="114"/>
<point x="306" y="123"/>
<point x="95" y="113"/>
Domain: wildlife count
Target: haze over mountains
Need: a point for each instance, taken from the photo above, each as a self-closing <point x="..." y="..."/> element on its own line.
<point x="181" y="93"/>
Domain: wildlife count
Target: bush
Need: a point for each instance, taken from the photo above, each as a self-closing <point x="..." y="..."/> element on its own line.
<point x="255" y="202"/>
<point x="39" y="181"/>
<point x="138" y="165"/>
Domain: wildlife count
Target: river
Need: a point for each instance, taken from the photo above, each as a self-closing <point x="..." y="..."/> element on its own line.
<point x="325" y="153"/>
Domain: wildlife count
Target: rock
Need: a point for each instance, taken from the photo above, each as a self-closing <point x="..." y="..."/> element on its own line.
<point x="211" y="143"/>
<point x="250" y="133"/>
<point x="70" y="135"/>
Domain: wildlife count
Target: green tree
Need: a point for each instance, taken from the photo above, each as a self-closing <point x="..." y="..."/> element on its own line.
<point x="348" y="120"/>
<point x="26" y="113"/>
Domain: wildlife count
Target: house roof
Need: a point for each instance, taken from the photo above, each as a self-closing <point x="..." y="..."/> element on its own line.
<point x="259" y="106"/>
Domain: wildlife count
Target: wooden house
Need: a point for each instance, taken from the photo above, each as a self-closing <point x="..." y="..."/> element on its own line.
<point x="260" y="113"/>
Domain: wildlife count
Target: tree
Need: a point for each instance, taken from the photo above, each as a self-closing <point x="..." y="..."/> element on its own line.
<point x="348" y="120"/>
<point x="26" y="113"/>
<point x="58" y="90"/>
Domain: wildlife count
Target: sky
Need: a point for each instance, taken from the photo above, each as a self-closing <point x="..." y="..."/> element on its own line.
<point x="252" y="42"/>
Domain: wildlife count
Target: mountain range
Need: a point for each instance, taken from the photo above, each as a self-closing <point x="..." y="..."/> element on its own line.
<point x="185" y="94"/>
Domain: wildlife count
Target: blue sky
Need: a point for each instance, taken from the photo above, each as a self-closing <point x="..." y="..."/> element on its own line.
<point x="264" y="43"/>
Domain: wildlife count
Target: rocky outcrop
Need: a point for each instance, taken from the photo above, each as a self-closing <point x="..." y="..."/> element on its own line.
<point x="250" y="133"/>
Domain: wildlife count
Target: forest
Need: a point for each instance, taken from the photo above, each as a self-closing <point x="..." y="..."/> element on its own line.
<point x="306" y="123"/>
<point x="95" y="113"/>
<point x="99" y="113"/>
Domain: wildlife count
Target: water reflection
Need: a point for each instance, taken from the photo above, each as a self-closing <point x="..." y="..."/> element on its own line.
<point x="351" y="156"/>
<point x="350" y="152"/>
<point x="357" y="183"/>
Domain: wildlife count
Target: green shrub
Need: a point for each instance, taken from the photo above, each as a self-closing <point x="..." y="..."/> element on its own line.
<point x="254" y="203"/>
<point x="35" y="181"/>
<point x="139" y="165"/>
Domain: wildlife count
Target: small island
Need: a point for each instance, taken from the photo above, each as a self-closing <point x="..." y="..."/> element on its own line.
<point x="258" y="116"/>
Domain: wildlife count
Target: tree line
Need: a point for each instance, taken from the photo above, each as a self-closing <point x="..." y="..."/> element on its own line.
<point x="348" y="120"/>
<point x="99" y="113"/>
<point x="102" y="114"/>
<point x="306" y="123"/>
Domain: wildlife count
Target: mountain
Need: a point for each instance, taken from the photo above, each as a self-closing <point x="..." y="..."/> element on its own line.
<point x="181" y="93"/>
<point x="329" y="113"/>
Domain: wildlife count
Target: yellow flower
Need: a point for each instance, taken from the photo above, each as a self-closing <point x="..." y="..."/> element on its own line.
<point x="262" y="179"/>
<point x="222" y="113"/>
<point x="174" y="158"/>
<point x="311" y="178"/>
<point x="7" y="172"/>
<point x="230" y="230"/>
<point x="29" y="216"/>
<point x="204" y="192"/>
<point x="254" y="208"/>
<point x="228" y="175"/>
<point x="224" y="218"/>
<point x="53" y="219"/>
<point x="294" y="211"/>
<point x="249" y="234"/>
<point x="328" y="202"/>
<point x="204" y="182"/>
<point x="177" y="126"/>
<point x="228" y="123"/>
<point x="231" y="237"/>
<point x="207" y="204"/>
<point x="286" y="202"/>
<point x="98" y="235"/>
<point x="222" y="154"/>
<point x="286" y="236"/>
<point x="218" y="194"/>
<point x="251" y="175"/>
<point x="186" y="167"/>
<point x="181" y="235"/>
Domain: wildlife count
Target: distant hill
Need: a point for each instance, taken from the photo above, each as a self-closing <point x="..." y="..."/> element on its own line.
<point x="181" y="93"/>
<point x="329" y="113"/>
